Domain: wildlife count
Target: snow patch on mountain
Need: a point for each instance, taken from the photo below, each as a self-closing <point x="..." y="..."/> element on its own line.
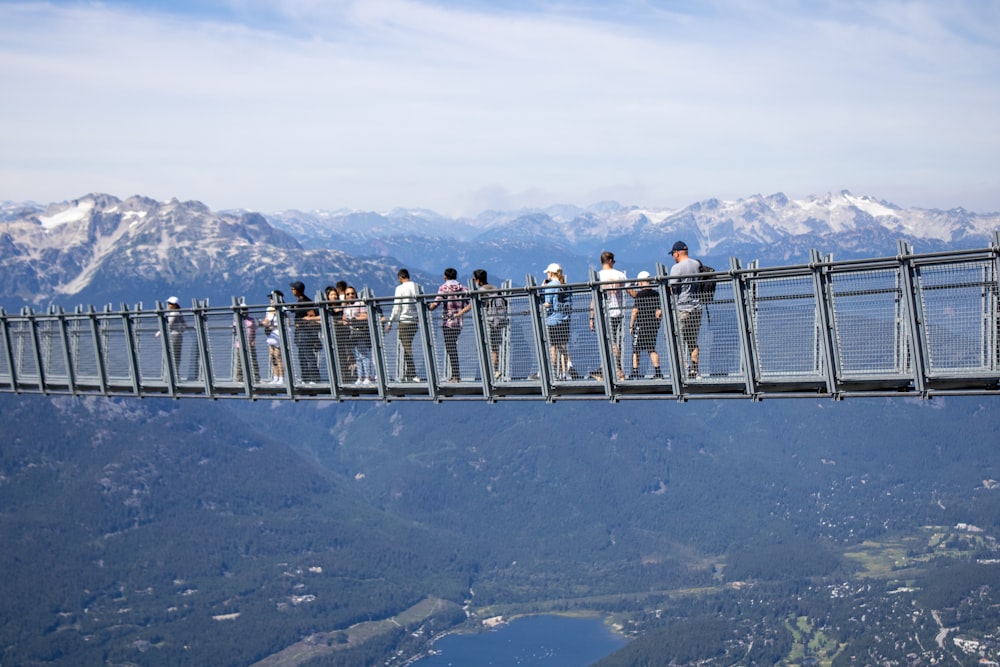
<point x="69" y="215"/>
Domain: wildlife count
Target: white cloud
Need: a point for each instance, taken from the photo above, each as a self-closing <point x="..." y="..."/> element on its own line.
<point x="376" y="104"/>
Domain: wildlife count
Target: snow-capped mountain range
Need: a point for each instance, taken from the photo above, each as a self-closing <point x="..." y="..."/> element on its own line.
<point x="101" y="249"/>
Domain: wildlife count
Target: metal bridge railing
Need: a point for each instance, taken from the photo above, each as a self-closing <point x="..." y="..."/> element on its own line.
<point x="905" y="325"/>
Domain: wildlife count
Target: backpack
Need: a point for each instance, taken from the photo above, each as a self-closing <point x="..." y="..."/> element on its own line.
<point x="496" y="309"/>
<point x="704" y="287"/>
<point x="563" y="302"/>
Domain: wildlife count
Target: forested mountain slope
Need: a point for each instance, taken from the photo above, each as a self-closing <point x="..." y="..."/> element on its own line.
<point x="135" y="529"/>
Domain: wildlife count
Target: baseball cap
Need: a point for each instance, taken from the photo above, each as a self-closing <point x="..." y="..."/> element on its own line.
<point x="174" y="300"/>
<point x="643" y="275"/>
<point x="680" y="245"/>
<point x="553" y="268"/>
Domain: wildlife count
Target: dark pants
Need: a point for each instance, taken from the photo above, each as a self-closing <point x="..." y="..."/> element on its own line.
<point x="307" y="346"/>
<point x="451" y="349"/>
<point x="407" y="331"/>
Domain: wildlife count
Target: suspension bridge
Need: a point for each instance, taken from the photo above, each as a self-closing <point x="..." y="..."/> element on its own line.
<point x="911" y="325"/>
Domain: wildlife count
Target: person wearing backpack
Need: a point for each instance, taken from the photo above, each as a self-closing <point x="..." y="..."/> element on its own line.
<point x="496" y="318"/>
<point x="687" y="303"/>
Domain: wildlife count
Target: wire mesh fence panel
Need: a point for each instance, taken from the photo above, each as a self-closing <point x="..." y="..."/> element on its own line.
<point x="354" y="348"/>
<point x="520" y="349"/>
<point x="256" y="341"/>
<point x="456" y="358"/>
<point x="572" y="350"/>
<point x="340" y="348"/>
<point x="152" y="352"/>
<point x="641" y="338"/>
<point x="113" y="338"/>
<point x="23" y="351"/>
<point x="402" y="347"/>
<point x="719" y="335"/>
<point x="613" y="306"/>
<point x="956" y="305"/>
<point x="870" y="330"/>
<point x="48" y="334"/>
<point x="785" y="327"/>
<point x="494" y="320"/>
<point x="221" y="345"/>
<point x="82" y="351"/>
<point x="308" y="353"/>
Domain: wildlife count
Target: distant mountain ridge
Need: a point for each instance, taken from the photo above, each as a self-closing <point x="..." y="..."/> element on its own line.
<point x="773" y="228"/>
<point x="102" y="248"/>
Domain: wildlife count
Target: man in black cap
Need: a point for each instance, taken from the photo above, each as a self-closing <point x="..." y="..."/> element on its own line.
<point x="687" y="303"/>
<point x="306" y="324"/>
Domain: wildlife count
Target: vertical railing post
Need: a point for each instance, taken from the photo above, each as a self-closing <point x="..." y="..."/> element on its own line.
<point x="670" y="330"/>
<point x="373" y="309"/>
<point x="425" y="323"/>
<point x="824" y="305"/>
<point x="63" y="335"/>
<point x="503" y="354"/>
<point x="130" y="351"/>
<point x="994" y="289"/>
<point x="284" y="349"/>
<point x="608" y="369"/>
<point x="203" y="362"/>
<point x="8" y="351"/>
<point x="914" y="316"/>
<point x="243" y="349"/>
<point x="328" y="332"/>
<point x="535" y="301"/>
<point x="172" y="375"/>
<point x="742" y="288"/>
<point x="481" y="332"/>
<point x="99" y="355"/>
<point x="36" y="353"/>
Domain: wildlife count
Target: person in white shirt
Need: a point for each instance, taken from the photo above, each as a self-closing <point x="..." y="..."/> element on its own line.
<point x="614" y="298"/>
<point x="404" y="311"/>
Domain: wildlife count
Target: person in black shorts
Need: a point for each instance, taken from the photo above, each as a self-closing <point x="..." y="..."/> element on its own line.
<point x="645" y="324"/>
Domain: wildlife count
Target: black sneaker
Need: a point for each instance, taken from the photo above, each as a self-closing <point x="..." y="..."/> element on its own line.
<point x="573" y="375"/>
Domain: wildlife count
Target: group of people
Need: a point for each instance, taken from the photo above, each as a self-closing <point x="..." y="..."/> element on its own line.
<point x="644" y="317"/>
<point x="354" y="349"/>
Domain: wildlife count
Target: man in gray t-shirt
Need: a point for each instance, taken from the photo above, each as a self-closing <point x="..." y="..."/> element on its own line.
<point x="688" y="304"/>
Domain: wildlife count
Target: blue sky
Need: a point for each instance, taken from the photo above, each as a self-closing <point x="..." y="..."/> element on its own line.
<point x="468" y="105"/>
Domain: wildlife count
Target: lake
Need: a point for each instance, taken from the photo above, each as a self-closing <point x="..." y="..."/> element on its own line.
<point x="549" y="641"/>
